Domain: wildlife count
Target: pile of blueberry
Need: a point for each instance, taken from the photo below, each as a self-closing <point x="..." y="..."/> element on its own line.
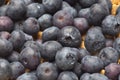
<point x="60" y="54"/>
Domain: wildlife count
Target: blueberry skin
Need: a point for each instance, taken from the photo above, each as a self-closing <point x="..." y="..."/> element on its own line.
<point x="112" y="71"/>
<point x="52" y="6"/>
<point x="17" y="39"/>
<point x="17" y="69"/>
<point x="118" y="10"/>
<point x="35" y="10"/>
<point x="69" y="36"/>
<point x="94" y="40"/>
<point x="28" y="37"/>
<point x="5" y="35"/>
<point x="85" y="76"/>
<point x="110" y="26"/>
<point x="50" y="49"/>
<point x="119" y="77"/>
<point x="16" y="10"/>
<point x="47" y="71"/>
<point x="109" y="42"/>
<point x="27" y="76"/>
<point x="109" y="55"/>
<point x="13" y="57"/>
<point x="31" y="26"/>
<point x="62" y="18"/>
<point x="50" y="34"/>
<point x="65" y="4"/>
<point x="116" y="44"/>
<point x="45" y="21"/>
<point x="30" y="58"/>
<point x="5" y="70"/>
<point x="66" y="58"/>
<point x="91" y="64"/>
<point x="118" y="19"/>
<point x="6" y="24"/>
<point x="27" y="2"/>
<point x="3" y="10"/>
<point x="67" y="75"/>
<point x="6" y="47"/>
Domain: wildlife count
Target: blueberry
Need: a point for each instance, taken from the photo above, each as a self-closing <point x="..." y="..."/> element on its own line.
<point x="109" y="55"/>
<point x="62" y="18"/>
<point x="52" y="6"/>
<point x="18" y="39"/>
<point x="71" y="2"/>
<point x="6" y="47"/>
<point x="118" y="10"/>
<point x="5" y="70"/>
<point x="13" y="57"/>
<point x="110" y="26"/>
<point x="66" y="58"/>
<point x="118" y="19"/>
<point x="18" y="25"/>
<point x="28" y="37"/>
<point x="69" y="36"/>
<point x="5" y="35"/>
<point x="27" y="2"/>
<point x="94" y="40"/>
<point x="31" y="26"/>
<point x="81" y="24"/>
<point x="50" y="34"/>
<point x="16" y="10"/>
<point x="65" y="4"/>
<point x="27" y="76"/>
<point x="50" y="49"/>
<point x="35" y="10"/>
<point x="17" y="69"/>
<point x="67" y="75"/>
<point x="91" y="64"/>
<point x="116" y="44"/>
<point x="3" y="10"/>
<point x="47" y="71"/>
<point x="109" y="42"/>
<point x="45" y="21"/>
<point x="85" y="76"/>
<point x="119" y="77"/>
<point x="6" y="24"/>
<point x="112" y="71"/>
<point x="87" y="3"/>
<point x="30" y="58"/>
<point x="77" y="7"/>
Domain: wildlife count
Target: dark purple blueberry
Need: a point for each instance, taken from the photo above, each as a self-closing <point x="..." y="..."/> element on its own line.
<point x="16" y="10"/>
<point x="109" y="55"/>
<point x="66" y="58"/>
<point x="112" y="71"/>
<point x="62" y="18"/>
<point x="85" y="76"/>
<point x="81" y="24"/>
<point x="47" y="71"/>
<point x="94" y="40"/>
<point x="31" y="26"/>
<point x="50" y="34"/>
<point x="69" y="36"/>
<point x="5" y="70"/>
<point x="6" y="24"/>
<point x="109" y="42"/>
<point x="5" y="35"/>
<point x="3" y="10"/>
<point x="17" y="69"/>
<point x="91" y="64"/>
<point x="30" y="58"/>
<point x="78" y="7"/>
<point x="116" y="45"/>
<point x="118" y="10"/>
<point x="110" y="26"/>
<point x="87" y="3"/>
<point x="71" y="2"/>
<point x="67" y="75"/>
<point x="13" y="57"/>
<point x="52" y="6"/>
<point x="65" y="4"/>
<point x="6" y="47"/>
<point x="45" y="21"/>
<point x="18" y="39"/>
<point x="50" y="49"/>
<point x="27" y="76"/>
<point x="35" y="10"/>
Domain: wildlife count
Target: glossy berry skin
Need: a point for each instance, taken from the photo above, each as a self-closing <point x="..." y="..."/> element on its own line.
<point x="5" y="35"/>
<point x="66" y="58"/>
<point x="47" y="71"/>
<point x="112" y="71"/>
<point x="31" y="26"/>
<point x="52" y="6"/>
<point x="69" y="36"/>
<point x="27" y="76"/>
<point x="45" y="21"/>
<point x="5" y="70"/>
<point x="62" y="18"/>
<point x="30" y="58"/>
<point x="6" y="24"/>
<point x="85" y="76"/>
<point x="35" y="10"/>
<point x="50" y="49"/>
<point x="65" y="4"/>
<point x="91" y="64"/>
<point x="67" y="75"/>
<point x="109" y="55"/>
<point x="116" y="44"/>
<point x="50" y="34"/>
<point x="17" y="69"/>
